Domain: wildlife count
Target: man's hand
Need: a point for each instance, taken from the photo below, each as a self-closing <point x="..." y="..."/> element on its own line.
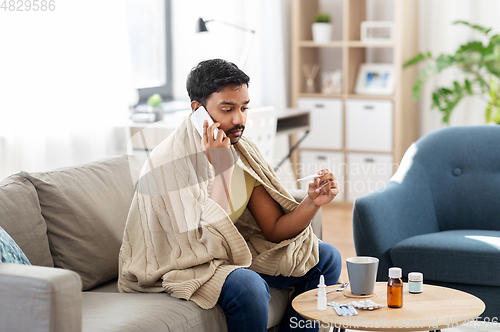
<point x="217" y="150"/>
<point x="323" y="189"/>
<point x="219" y="155"/>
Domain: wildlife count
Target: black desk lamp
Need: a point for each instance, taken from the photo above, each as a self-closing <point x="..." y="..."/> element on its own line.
<point x="202" y="27"/>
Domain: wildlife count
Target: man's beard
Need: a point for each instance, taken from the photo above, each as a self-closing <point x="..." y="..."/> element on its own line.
<point x="239" y="127"/>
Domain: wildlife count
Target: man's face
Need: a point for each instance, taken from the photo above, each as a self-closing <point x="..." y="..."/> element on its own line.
<point x="229" y="107"/>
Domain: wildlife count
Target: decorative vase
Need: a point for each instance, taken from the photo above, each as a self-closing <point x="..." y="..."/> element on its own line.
<point x="159" y="113"/>
<point x="321" y="32"/>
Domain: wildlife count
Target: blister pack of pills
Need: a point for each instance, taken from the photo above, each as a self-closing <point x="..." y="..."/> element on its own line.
<point x="343" y="309"/>
<point x="366" y="305"/>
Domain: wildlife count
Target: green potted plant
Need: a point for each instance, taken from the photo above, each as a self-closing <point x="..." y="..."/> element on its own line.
<point x="154" y="102"/>
<point x="479" y="65"/>
<point x="322" y="28"/>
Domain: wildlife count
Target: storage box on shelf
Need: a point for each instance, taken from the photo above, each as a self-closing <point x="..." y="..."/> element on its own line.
<point x="369" y="125"/>
<point x="326" y="119"/>
<point x="361" y="137"/>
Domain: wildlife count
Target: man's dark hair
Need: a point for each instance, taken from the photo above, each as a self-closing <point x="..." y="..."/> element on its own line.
<point x="211" y="76"/>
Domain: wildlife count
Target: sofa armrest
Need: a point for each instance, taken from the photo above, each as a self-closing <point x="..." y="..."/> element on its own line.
<point x="39" y="299"/>
<point x="382" y="219"/>
<point x="317" y="225"/>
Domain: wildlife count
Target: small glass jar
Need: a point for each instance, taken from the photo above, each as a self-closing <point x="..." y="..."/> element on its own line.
<point x="395" y="288"/>
<point x="415" y="282"/>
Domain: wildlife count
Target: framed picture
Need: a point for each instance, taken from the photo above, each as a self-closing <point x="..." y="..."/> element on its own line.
<point x="331" y="82"/>
<point x="377" y="31"/>
<point x="375" y="79"/>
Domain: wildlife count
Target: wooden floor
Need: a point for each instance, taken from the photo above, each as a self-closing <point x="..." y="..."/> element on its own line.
<point x="337" y="230"/>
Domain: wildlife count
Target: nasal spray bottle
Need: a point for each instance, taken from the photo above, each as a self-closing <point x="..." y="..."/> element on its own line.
<point x="321" y="293"/>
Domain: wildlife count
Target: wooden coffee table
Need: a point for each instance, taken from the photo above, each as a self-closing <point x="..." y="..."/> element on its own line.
<point x="435" y="308"/>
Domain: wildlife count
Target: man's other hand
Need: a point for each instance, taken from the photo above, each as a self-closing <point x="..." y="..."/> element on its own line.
<point x="323" y="189"/>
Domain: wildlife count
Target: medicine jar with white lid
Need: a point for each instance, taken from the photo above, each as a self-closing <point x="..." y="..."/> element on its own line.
<point x="415" y="282"/>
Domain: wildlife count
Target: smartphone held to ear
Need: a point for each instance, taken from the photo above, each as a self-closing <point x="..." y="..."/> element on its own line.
<point x="198" y="117"/>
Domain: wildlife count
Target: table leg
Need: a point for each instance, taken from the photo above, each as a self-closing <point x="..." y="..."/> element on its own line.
<point x="329" y="328"/>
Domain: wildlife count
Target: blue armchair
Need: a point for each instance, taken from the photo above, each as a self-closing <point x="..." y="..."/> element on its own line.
<point x="440" y="214"/>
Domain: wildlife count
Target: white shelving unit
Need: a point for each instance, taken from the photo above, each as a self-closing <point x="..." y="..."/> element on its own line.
<point x="361" y="138"/>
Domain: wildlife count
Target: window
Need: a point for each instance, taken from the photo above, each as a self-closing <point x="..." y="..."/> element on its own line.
<point x="150" y="44"/>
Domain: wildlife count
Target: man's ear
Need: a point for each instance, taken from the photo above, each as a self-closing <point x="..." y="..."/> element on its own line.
<point x="195" y="105"/>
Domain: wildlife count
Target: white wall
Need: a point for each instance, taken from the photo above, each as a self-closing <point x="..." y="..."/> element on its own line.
<point x="265" y="64"/>
<point x="190" y="47"/>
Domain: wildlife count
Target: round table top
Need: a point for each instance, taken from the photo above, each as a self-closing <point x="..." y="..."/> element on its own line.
<point x="434" y="309"/>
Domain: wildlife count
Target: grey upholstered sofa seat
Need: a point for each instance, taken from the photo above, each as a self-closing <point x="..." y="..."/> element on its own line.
<point x="159" y="312"/>
<point x="440" y="213"/>
<point x="69" y="222"/>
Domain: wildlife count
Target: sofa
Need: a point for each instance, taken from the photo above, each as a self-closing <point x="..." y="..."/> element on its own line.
<point x="69" y="223"/>
<point x="440" y="214"/>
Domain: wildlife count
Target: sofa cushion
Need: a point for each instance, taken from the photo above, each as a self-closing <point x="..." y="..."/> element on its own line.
<point x="21" y="218"/>
<point x="139" y="312"/>
<point x="10" y="251"/>
<point x="86" y="208"/>
<point x="151" y="312"/>
<point x="458" y="256"/>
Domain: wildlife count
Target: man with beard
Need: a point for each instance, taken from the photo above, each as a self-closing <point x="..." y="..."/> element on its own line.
<point x="210" y="221"/>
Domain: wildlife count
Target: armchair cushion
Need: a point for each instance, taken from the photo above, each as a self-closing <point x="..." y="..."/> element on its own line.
<point x="463" y="169"/>
<point x="459" y="256"/>
<point x="86" y="208"/>
<point x="21" y="218"/>
<point x="373" y="234"/>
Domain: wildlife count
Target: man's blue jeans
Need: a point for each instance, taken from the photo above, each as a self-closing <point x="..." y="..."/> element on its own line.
<point x="245" y="294"/>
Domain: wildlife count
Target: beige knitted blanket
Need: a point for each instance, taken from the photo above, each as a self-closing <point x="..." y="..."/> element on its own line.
<point x="178" y="240"/>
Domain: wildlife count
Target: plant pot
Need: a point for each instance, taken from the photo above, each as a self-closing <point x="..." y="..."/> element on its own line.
<point x="157" y="111"/>
<point x="321" y="32"/>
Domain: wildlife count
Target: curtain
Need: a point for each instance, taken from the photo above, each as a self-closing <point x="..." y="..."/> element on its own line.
<point x="65" y="85"/>
<point x="439" y="35"/>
